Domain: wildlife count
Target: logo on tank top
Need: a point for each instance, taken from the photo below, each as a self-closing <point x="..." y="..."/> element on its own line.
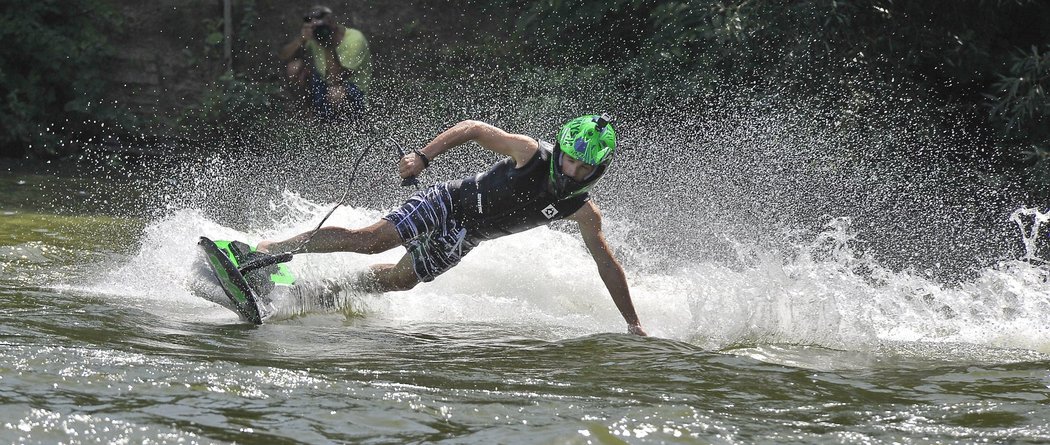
<point x="550" y="211"/>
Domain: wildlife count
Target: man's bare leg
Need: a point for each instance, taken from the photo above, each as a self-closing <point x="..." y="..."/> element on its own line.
<point x="378" y="237"/>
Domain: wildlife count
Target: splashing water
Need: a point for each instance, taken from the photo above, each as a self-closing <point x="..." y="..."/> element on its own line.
<point x="1030" y="236"/>
<point x="749" y="221"/>
<point x="821" y="261"/>
<point x="818" y="293"/>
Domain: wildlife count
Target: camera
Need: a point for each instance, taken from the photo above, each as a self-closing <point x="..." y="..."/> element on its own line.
<point x="323" y="34"/>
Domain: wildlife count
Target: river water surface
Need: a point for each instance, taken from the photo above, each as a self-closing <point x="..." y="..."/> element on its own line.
<point x="105" y="337"/>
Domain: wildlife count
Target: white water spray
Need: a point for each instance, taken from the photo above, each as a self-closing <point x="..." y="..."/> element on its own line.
<point x="1033" y="219"/>
<point x="823" y="293"/>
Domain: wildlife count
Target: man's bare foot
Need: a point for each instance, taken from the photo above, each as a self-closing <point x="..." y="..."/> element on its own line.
<point x="264" y="246"/>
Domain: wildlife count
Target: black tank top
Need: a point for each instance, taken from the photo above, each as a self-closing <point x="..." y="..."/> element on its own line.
<point x="506" y="200"/>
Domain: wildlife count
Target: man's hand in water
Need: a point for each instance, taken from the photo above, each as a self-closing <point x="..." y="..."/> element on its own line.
<point x="636" y="329"/>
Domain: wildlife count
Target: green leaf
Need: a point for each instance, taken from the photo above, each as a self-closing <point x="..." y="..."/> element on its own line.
<point x="214" y="38"/>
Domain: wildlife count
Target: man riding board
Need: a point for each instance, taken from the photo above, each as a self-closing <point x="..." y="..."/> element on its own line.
<point x="538" y="183"/>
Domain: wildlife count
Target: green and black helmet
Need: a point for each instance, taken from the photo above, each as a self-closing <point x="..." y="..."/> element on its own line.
<point x="589" y="139"/>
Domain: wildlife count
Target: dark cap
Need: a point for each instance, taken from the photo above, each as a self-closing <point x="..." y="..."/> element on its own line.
<point x="317" y="13"/>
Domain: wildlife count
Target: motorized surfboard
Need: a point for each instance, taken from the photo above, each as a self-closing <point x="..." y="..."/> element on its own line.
<point x="246" y="275"/>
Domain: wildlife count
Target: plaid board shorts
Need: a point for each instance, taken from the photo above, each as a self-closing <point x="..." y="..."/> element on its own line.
<point x="435" y="239"/>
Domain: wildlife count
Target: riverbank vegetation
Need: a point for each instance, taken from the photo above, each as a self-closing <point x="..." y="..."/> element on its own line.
<point x="979" y="65"/>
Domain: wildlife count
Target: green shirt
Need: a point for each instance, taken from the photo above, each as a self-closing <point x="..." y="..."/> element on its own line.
<point x="353" y="55"/>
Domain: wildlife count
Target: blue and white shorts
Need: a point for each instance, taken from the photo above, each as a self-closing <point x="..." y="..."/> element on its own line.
<point x="435" y="239"/>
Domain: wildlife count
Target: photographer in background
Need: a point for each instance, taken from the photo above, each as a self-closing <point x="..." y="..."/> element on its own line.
<point x="329" y="64"/>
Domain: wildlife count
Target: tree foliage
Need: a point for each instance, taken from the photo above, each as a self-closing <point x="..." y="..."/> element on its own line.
<point x="1020" y="107"/>
<point x="962" y="40"/>
<point x="961" y="55"/>
<point x="51" y="71"/>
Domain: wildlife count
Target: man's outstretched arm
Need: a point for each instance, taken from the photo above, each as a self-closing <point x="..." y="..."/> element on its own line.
<point x="590" y="220"/>
<point x="517" y="146"/>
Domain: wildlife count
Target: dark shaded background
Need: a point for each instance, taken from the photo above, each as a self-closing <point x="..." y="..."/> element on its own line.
<point x="925" y="122"/>
<point x="86" y="72"/>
